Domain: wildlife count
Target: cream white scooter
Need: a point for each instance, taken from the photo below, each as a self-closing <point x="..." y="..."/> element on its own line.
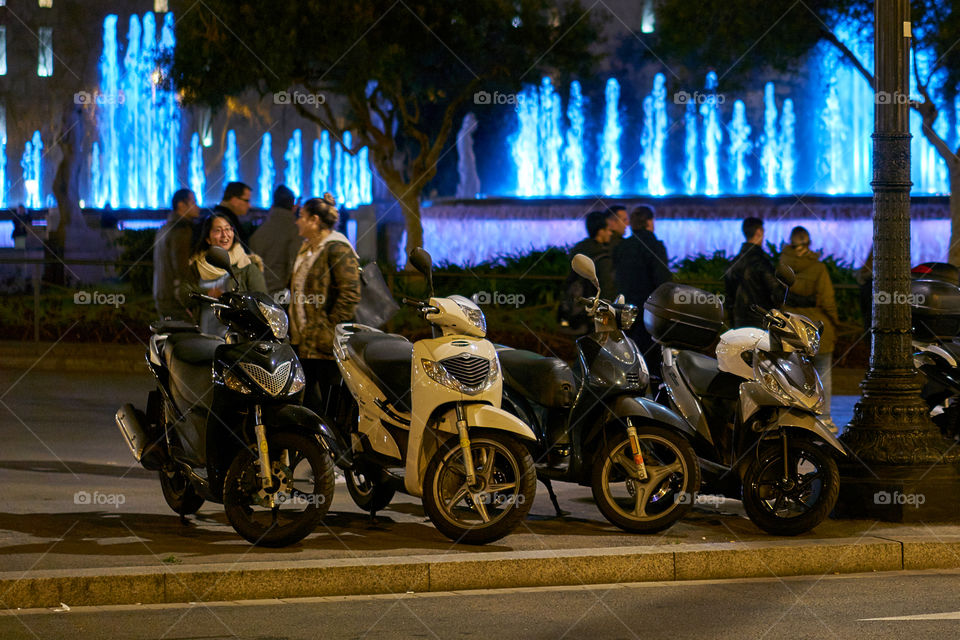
<point x="427" y="417"/>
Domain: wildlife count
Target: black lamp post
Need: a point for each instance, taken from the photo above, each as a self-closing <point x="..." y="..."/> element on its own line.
<point x="901" y="468"/>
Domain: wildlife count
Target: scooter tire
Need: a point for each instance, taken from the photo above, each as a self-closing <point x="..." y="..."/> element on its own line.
<point x="179" y="493"/>
<point x="759" y="486"/>
<point x="244" y="497"/>
<point x="671" y="493"/>
<point x="371" y="489"/>
<point x="512" y="465"/>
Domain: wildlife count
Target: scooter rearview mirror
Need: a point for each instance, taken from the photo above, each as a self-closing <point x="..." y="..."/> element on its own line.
<point x="584" y="267"/>
<point x="786" y="275"/>
<point x="423" y="263"/>
<point x="218" y="257"/>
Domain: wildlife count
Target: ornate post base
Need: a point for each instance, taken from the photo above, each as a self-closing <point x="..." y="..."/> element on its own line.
<point x="901" y="469"/>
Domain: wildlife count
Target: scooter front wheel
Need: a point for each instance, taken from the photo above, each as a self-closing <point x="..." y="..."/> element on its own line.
<point x="653" y="503"/>
<point x="371" y="488"/>
<point x="799" y="503"/>
<point x="298" y="497"/>
<point x="501" y="496"/>
<point x="179" y="493"/>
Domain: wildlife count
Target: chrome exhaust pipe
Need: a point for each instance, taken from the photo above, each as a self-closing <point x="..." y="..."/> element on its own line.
<point x="131" y="423"/>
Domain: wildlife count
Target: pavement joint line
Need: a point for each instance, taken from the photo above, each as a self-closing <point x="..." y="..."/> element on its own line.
<point x="396" y="576"/>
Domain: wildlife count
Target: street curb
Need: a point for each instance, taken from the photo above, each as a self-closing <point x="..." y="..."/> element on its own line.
<point x="453" y="572"/>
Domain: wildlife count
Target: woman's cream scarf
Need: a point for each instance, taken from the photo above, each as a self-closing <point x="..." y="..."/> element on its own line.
<point x="238" y="259"/>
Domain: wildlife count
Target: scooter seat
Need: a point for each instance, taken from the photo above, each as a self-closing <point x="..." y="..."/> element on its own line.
<point x="705" y="377"/>
<point x="388" y="359"/>
<point x="547" y="381"/>
<point x="190" y="348"/>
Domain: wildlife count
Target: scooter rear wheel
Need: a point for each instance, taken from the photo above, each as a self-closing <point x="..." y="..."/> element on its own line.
<point x="299" y="496"/>
<point x="370" y="488"/>
<point x="505" y="489"/>
<point x="179" y="493"/>
<point x="652" y="504"/>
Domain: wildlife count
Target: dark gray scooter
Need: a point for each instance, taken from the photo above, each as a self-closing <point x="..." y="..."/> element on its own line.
<point x="595" y="428"/>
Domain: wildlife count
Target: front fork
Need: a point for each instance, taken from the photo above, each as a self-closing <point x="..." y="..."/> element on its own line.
<point x="465" y="446"/>
<point x="266" y="473"/>
<point x="635" y="450"/>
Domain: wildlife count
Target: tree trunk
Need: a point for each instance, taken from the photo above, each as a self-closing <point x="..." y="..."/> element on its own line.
<point x="954" y="249"/>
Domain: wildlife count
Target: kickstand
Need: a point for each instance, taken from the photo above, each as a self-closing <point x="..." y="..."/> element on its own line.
<point x="373" y="519"/>
<point x="553" y="497"/>
<point x="184" y="521"/>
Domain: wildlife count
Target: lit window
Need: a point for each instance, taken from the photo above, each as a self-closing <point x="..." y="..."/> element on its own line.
<point x="46" y="3"/>
<point x="160" y="6"/>
<point x="3" y="50"/>
<point x="45" y="60"/>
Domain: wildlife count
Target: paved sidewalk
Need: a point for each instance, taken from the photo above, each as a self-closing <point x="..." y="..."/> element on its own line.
<point x="125" y="546"/>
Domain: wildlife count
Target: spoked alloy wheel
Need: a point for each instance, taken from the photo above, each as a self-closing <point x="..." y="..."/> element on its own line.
<point x="800" y="503"/>
<point x="299" y="496"/>
<point x="505" y="487"/>
<point x="652" y="504"/>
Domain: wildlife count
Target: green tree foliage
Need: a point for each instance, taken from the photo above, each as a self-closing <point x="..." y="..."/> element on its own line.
<point x="395" y="74"/>
<point x="739" y="38"/>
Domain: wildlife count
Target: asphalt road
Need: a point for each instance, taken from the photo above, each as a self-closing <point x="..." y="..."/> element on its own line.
<point x="863" y="606"/>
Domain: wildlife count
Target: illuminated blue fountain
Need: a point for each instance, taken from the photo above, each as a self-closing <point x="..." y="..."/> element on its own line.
<point x="320" y="173"/>
<point x="654" y="136"/>
<point x="265" y="181"/>
<point x="573" y="161"/>
<point x="231" y="164"/>
<point x="610" y="141"/>
<point x="197" y="177"/>
<point x="712" y="137"/>
<point x="550" y="135"/>
<point x="32" y="174"/>
<point x="788" y="146"/>
<point x="293" y="174"/>
<point x="690" y="149"/>
<point x="770" y="148"/>
<point x="740" y="146"/>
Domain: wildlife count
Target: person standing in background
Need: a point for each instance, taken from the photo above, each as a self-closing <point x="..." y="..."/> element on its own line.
<point x="277" y="240"/>
<point x="171" y="255"/>
<point x="814" y="289"/>
<point x="618" y="224"/>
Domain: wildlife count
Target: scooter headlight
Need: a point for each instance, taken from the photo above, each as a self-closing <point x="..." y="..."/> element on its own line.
<point x="812" y="339"/>
<point x="299" y="381"/>
<point x="439" y="374"/>
<point x="276" y="318"/>
<point x="234" y="383"/>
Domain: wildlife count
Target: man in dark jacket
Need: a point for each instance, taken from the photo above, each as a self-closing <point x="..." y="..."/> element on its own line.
<point x="277" y="240"/>
<point x="618" y="225"/>
<point x="596" y="247"/>
<point x="751" y="279"/>
<point x="171" y="254"/>
<point x="235" y="205"/>
<point x="641" y="266"/>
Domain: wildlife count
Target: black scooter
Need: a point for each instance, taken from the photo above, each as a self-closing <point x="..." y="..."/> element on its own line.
<point x="223" y="425"/>
<point x="594" y="427"/>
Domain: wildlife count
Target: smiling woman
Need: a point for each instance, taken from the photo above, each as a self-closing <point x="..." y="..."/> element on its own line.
<point x="217" y="231"/>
